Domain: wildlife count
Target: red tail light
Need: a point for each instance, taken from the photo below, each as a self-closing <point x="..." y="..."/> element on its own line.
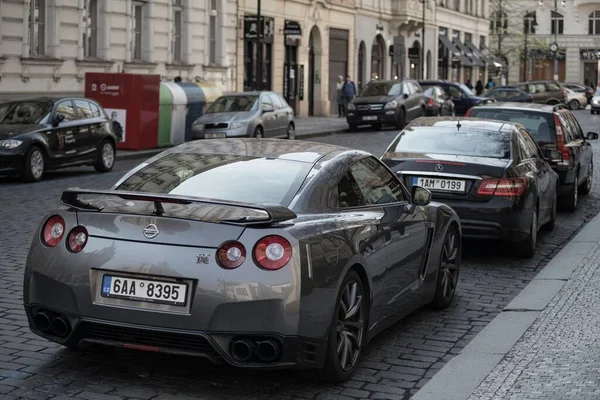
<point x="564" y="92"/>
<point x="54" y="230"/>
<point x="430" y="102"/>
<point x="511" y="187"/>
<point x="560" y="140"/>
<point x="468" y="113"/>
<point x="272" y="252"/>
<point x="231" y="254"/>
<point x="77" y="239"/>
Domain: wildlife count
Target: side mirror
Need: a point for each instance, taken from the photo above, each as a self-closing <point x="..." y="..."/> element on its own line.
<point x="405" y="96"/>
<point x="555" y="156"/>
<point x="591" y="136"/>
<point x="420" y="196"/>
<point x="58" y="119"/>
<point x="267" y="109"/>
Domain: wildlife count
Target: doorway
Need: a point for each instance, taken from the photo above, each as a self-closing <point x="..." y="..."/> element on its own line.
<point x="314" y="74"/>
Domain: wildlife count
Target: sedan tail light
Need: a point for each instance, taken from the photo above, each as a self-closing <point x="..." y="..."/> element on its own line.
<point x="468" y="113"/>
<point x="77" y="239"/>
<point x="231" y="254"/>
<point x="560" y="140"/>
<point x="508" y="187"/>
<point x="272" y="252"/>
<point x="430" y="102"/>
<point x="54" y="230"/>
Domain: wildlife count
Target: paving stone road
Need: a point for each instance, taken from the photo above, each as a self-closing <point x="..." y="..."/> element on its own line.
<point x="396" y="365"/>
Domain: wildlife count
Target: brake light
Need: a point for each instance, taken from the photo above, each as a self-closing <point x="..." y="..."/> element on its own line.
<point x="77" y="239"/>
<point x="430" y="102"/>
<point x="560" y="139"/>
<point x="564" y="92"/>
<point x="231" y="254"/>
<point x="272" y="252"/>
<point x="508" y="187"/>
<point x="468" y="113"/>
<point x="54" y="229"/>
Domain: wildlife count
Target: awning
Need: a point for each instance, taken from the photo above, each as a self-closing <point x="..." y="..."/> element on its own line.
<point x="456" y="53"/>
<point x="478" y="52"/>
<point x="469" y="53"/>
<point x="495" y="62"/>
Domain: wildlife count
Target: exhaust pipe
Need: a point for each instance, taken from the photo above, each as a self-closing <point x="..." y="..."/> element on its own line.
<point x="41" y="321"/>
<point x="242" y="350"/>
<point x="268" y="351"/>
<point x="60" y="326"/>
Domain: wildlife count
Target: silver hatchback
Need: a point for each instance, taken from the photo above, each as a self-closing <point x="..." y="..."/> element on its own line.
<point x="251" y="114"/>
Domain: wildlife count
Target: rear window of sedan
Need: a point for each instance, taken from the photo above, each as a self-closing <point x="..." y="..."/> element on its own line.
<point x="221" y="177"/>
<point x="539" y="125"/>
<point x="471" y="142"/>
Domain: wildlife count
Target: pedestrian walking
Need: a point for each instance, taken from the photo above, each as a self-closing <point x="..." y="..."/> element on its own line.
<point x="490" y="84"/>
<point x="348" y="92"/>
<point x="479" y="88"/>
<point x="340" y="100"/>
<point x="469" y="84"/>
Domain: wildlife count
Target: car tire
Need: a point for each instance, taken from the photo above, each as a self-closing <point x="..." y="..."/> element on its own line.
<point x="569" y="201"/>
<point x="340" y="333"/>
<point x="352" y="127"/>
<point x="35" y="165"/>
<point x="258" y="132"/>
<point x="439" y="112"/>
<point x="574" y="104"/>
<point x="401" y="122"/>
<point x="448" y="270"/>
<point x="526" y="248"/>
<point x="586" y="186"/>
<point x="552" y="223"/>
<point x="376" y="127"/>
<point x="291" y="132"/>
<point x="105" y="159"/>
<point x="592" y="112"/>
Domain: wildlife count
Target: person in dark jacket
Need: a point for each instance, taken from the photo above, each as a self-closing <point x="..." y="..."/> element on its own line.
<point x="469" y="84"/>
<point x="348" y="92"/>
<point x="479" y="88"/>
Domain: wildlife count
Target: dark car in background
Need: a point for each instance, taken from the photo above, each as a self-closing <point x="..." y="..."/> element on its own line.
<point x="553" y="128"/>
<point x="393" y="102"/>
<point x="438" y="102"/>
<point x="509" y="93"/>
<point x="462" y="97"/>
<point x="491" y="173"/>
<point x="545" y="92"/>
<point x="45" y="133"/>
<point x="576" y="87"/>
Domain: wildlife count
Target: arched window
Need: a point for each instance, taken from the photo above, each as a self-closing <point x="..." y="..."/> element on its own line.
<point x="529" y="23"/>
<point x="498" y="23"/>
<point x="558" y="23"/>
<point x="594" y="23"/>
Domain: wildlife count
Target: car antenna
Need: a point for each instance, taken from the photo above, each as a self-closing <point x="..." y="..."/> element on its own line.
<point x="458" y="125"/>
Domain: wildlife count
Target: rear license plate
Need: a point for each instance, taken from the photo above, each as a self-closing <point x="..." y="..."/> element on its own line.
<point x="215" y="135"/>
<point x="370" y="118"/>
<point x="146" y="290"/>
<point x="446" y="185"/>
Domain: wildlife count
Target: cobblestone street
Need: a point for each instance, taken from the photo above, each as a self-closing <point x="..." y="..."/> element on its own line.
<point x="396" y="365"/>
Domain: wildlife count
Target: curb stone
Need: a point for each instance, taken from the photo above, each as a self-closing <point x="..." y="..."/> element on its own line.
<point x="463" y="374"/>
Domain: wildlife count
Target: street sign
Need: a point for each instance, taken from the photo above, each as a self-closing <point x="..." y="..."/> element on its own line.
<point x="292" y="28"/>
<point x="399" y="49"/>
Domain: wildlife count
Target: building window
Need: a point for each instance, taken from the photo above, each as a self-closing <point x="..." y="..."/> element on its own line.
<point x="138" y="19"/>
<point x="470" y="6"/>
<point x="529" y="23"/>
<point x="212" y="33"/>
<point x="177" y="28"/>
<point x="558" y="23"/>
<point x="90" y="28"/>
<point x="457" y="5"/>
<point x="594" y="23"/>
<point x="37" y="27"/>
<point x="498" y="23"/>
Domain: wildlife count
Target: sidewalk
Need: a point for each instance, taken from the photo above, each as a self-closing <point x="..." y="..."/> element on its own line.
<point x="546" y="342"/>
<point x="306" y="127"/>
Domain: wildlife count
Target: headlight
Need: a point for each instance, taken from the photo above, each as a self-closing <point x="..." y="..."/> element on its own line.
<point x="490" y="101"/>
<point x="238" y="124"/>
<point x="198" y="127"/>
<point x="391" y="105"/>
<point x="10" y="144"/>
<point x="351" y="106"/>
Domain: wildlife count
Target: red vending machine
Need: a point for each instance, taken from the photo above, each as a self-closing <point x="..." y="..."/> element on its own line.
<point x="132" y="103"/>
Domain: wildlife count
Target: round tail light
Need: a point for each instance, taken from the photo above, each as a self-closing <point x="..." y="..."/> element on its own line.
<point x="272" y="252"/>
<point x="77" y="239"/>
<point x="231" y="254"/>
<point x="54" y="229"/>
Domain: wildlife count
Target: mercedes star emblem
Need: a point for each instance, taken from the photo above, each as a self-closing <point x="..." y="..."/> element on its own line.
<point x="150" y="231"/>
<point x="439" y="167"/>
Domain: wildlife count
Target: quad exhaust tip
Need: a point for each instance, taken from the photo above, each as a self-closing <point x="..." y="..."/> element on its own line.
<point x="41" y="320"/>
<point x="242" y="350"/>
<point x="266" y="351"/>
<point x="56" y="325"/>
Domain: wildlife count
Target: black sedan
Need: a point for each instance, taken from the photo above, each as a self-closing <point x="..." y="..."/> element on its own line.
<point x="509" y="93"/>
<point x="492" y="173"/>
<point x="438" y="102"/>
<point x="46" y="133"/>
<point x="462" y="97"/>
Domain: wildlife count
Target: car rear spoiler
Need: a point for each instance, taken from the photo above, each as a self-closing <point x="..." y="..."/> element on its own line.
<point x="264" y="213"/>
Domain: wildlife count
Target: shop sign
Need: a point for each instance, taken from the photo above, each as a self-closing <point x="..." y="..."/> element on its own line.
<point x="292" y="28"/>
<point x="251" y="27"/>
<point x="414" y="52"/>
<point x="590" y="54"/>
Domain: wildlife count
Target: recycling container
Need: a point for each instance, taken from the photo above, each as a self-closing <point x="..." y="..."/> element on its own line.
<point x="178" y="112"/>
<point x="196" y="101"/>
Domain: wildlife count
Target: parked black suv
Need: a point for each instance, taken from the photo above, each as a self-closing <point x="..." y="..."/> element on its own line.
<point x="553" y="128"/>
<point x="462" y="97"/>
<point x="394" y="102"/>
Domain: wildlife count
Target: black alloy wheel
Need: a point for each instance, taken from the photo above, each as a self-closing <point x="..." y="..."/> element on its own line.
<point x="586" y="187"/>
<point x="448" y="271"/>
<point x="526" y="249"/>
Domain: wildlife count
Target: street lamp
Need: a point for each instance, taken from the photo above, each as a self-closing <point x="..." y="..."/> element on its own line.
<point x="554" y="46"/>
<point x="528" y="71"/>
<point x="423" y="40"/>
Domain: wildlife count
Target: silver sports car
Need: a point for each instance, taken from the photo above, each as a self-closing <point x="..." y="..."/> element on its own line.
<point x="259" y="253"/>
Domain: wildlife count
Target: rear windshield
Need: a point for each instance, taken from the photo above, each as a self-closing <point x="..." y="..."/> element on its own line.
<point x="221" y="177"/>
<point x="382" y="89"/>
<point x="471" y="142"/>
<point x="539" y="125"/>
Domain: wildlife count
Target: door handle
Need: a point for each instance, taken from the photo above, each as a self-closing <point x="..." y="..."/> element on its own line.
<point x="386" y="228"/>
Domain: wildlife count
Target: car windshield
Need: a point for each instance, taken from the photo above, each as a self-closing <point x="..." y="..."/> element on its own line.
<point x="221" y="177"/>
<point x="597" y="93"/>
<point x="382" y="89"/>
<point x="464" y="142"/>
<point x="233" y="104"/>
<point x="539" y="125"/>
<point x="24" y="112"/>
<point x="465" y="89"/>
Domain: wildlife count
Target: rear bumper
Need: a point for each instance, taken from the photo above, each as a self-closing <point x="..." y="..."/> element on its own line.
<point x="566" y="179"/>
<point x="383" y="117"/>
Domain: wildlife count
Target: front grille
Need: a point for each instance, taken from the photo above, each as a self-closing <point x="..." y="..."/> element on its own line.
<point x="220" y="125"/>
<point x="148" y="337"/>
<point x="370" y="107"/>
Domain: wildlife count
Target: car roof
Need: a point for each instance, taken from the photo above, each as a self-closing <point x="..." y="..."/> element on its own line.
<point x="438" y="82"/>
<point x="519" y="106"/>
<point x="463" y="124"/>
<point x="251" y="93"/>
<point x="292" y="150"/>
<point x="393" y="80"/>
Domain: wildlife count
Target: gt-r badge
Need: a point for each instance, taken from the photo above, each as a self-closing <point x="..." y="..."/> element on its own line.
<point x="150" y="231"/>
<point x="202" y="258"/>
<point x="439" y="167"/>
